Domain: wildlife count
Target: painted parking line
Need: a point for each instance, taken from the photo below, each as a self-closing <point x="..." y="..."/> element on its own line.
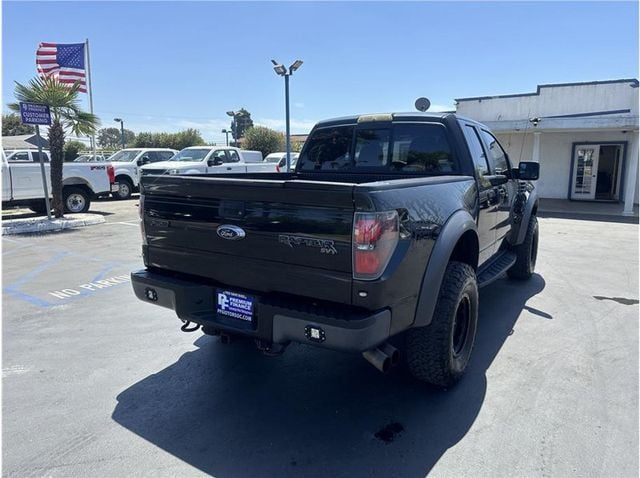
<point x="102" y="280"/>
<point x="126" y="223"/>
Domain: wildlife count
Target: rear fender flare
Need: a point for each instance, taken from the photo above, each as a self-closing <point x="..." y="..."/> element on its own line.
<point x="458" y="224"/>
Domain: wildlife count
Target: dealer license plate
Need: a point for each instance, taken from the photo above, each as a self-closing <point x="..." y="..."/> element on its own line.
<point x="234" y="305"/>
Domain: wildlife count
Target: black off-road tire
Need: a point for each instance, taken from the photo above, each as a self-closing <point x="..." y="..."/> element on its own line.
<point x="526" y="253"/>
<point x="76" y="199"/>
<point x="439" y="353"/>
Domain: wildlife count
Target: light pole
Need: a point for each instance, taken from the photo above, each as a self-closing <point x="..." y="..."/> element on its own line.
<point x="119" y="120"/>
<point x="226" y="135"/>
<point x="282" y="71"/>
<point x="234" y="128"/>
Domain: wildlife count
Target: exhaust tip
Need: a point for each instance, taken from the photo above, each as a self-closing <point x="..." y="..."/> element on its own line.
<point x="391" y="352"/>
<point x="378" y="359"/>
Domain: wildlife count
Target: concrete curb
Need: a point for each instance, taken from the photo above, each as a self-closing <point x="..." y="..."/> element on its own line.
<point x="43" y="225"/>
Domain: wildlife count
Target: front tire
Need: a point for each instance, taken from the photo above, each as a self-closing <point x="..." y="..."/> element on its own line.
<point x="76" y="200"/>
<point x="125" y="189"/>
<point x="439" y="353"/>
<point x="526" y="253"/>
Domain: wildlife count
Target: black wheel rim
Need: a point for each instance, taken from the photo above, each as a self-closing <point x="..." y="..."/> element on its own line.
<point x="461" y="325"/>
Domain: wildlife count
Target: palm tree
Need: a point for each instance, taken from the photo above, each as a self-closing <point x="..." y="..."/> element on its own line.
<point x="65" y="114"/>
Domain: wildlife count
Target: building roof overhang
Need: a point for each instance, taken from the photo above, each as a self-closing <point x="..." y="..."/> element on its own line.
<point x="627" y="122"/>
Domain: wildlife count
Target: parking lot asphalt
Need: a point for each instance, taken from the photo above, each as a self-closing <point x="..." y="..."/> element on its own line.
<point x="97" y="383"/>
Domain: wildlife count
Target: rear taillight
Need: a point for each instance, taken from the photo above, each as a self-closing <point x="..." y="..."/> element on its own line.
<point x="375" y="237"/>
<point x="277" y="168"/>
<point x="111" y="173"/>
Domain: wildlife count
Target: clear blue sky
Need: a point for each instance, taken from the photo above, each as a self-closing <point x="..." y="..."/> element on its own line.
<point x="170" y="65"/>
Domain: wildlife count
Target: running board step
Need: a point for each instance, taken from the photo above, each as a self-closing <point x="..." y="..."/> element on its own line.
<point x="496" y="268"/>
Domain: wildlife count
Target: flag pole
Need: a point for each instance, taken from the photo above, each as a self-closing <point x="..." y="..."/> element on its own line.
<point x="93" y="136"/>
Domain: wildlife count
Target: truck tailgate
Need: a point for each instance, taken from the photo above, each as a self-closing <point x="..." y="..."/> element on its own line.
<point x="296" y="232"/>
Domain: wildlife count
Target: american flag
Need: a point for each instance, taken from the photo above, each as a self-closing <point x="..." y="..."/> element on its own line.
<point x="63" y="61"/>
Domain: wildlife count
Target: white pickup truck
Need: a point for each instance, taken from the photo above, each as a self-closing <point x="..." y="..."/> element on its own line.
<point x="212" y="159"/>
<point x="127" y="163"/>
<point x="22" y="181"/>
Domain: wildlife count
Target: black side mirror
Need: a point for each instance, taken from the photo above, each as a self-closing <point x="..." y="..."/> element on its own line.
<point x="214" y="162"/>
<point x="529" y="170"/>
<point x="140" y="162"/>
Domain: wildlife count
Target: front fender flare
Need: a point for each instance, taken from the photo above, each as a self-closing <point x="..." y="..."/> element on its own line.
<point x="532" y="201"/>
<point x="459" y="223"/>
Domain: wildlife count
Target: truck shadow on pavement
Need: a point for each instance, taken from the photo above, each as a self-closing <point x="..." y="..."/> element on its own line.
<point x="229" y="411"/>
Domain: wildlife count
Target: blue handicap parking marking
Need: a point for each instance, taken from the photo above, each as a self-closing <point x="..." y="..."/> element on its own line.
<point x="106" y="278"/>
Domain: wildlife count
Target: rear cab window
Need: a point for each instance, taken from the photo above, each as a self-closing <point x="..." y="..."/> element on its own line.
<point x="420" y="148"/>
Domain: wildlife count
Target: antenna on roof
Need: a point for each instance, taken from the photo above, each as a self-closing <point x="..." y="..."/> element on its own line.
<point x="422" y="104"/>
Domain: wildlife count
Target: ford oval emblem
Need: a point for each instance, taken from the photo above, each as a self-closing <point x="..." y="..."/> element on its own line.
<point x="231" y="233"/>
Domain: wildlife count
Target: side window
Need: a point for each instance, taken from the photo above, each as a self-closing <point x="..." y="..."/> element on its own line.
<point x="233" y="156"/>
<point x="21" y="157"/>
<point x="36" y="157"/>
<point x="220" y="154"/>
<point x="497" y="156"/>
<point x="152" y="156"/>
<point x="165" y="155"/>
<point x="477" y="152"/>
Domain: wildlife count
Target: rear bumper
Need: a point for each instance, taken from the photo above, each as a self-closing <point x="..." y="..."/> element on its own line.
<point x="275" y="320"/>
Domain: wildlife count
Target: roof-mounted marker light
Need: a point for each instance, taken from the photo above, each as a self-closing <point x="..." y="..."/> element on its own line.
<point x="375" y="118"/>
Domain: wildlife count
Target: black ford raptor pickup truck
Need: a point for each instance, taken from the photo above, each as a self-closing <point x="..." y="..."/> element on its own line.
<point x="376" y="243"/>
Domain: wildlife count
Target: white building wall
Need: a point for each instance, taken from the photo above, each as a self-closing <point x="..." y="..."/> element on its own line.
<point x="555" y="155"/>
<point x="569" y="113"/>
<point x="553" y="101"/>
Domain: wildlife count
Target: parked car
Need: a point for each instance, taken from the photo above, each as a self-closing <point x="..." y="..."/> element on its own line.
<point x="90" y="158"/>
<point x="127" y="163"/>
<point x="281" y="160"/>
<point x="211" y="160"/>
<point x="22" y="182"/>
<point x="249" y="156"/>
<point x="386" y="228"/>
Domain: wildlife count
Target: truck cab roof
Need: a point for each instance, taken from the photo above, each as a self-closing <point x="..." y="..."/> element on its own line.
<point x="380" y="117"/>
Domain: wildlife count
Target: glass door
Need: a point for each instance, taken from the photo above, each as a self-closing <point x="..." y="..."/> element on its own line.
<point x="585" y="172"/>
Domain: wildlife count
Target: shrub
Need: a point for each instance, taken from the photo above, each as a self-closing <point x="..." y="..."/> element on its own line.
<point x="71" y="150"/>
<point x="263" y="139"/>
<point x="180" y="140"/>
